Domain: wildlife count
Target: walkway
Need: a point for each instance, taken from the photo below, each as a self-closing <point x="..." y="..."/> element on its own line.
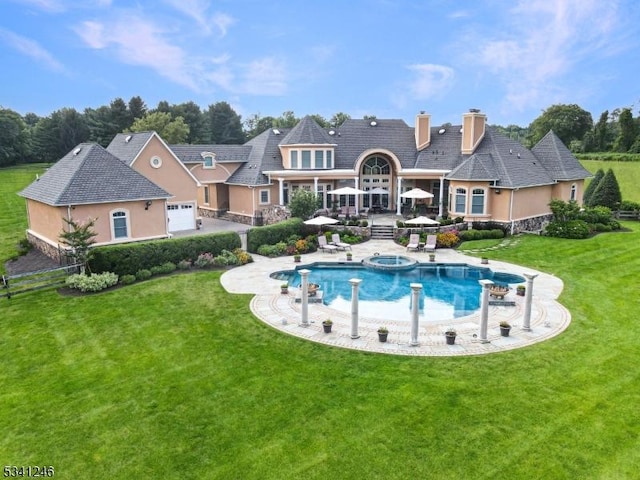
<point x="548" y="317"/>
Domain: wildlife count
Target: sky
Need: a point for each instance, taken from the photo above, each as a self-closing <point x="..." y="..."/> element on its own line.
<point x="389" y="58"/>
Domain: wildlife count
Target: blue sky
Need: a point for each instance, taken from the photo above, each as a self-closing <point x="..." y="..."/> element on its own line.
<point x="388" y="58"/>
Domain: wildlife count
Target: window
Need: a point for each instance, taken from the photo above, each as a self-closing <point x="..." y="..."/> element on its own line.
<point x="477" y="201"/>
<point x="306" y="159"/>
<point x="319" y="159"/>
<point x="156" y="162"/>
<point x="206" y="195"/>
<point x="329" y="159"/>
<point x="120" y="224"/>
<point x="574" y="192"/>
<point x="460" y="200"/>
<point x="264" y="197"/>
<point x="294" y="159"/>
<point x="208" y="159"/>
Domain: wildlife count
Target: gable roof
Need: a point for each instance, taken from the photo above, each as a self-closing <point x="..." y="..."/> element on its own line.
<point x="90" y="174"/>
<point x="558" y="159"/>
<point x="223" y="153"/>
<point x="127" y="146"/>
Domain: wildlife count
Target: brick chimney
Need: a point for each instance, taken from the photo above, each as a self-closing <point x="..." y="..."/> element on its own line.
<point x="423" y="130"/>
<point x="473" y="127"/>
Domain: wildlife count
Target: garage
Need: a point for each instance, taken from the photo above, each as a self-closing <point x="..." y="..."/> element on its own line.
<point x="181" y="217"/>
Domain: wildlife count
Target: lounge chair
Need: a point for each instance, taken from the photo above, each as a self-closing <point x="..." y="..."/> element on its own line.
<point x="414" y="242"/>
<point x="335" y="240"/>
<point x="430" y="246"/>
<point x="324" y="246"/>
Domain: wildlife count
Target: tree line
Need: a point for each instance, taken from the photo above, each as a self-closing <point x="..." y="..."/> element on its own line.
<point x="30" y="138"/>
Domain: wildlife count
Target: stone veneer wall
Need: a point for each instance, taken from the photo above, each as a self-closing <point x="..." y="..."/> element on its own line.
<point x="49" y="250"/>
<point x="275" y="214"/>
<point x="210" y="213"/>
<point x="405" y="231"/>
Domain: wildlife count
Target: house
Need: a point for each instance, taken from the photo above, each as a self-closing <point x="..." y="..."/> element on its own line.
<point x="91" y="183"/>
<point x="472" y="170"/>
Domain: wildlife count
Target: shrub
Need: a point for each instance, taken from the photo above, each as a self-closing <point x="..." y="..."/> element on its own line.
<point x="447" y="239"/>
<point x="143" y="274"/>
<point x="184" y="264"/>
<point x="92" y="283"/>
<point x="364" y="223"/>
<point x="156" y="270"/>
<point x="220" y="261"/>
<point x="268" y="251"/>
<point x="571" y="229"/>
<point x="127" y="279"/>
<point x="131" y="257"/>
<point x="628" y="205"/>
<point x="242" y="256"/>
<point x="204" y="260"/>
<point x="272" y="234"/>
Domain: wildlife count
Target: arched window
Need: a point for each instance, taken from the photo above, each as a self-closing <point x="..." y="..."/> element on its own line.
<point x="573" y="195"/>
<point x="120" y="224"/>
<point x="460" y="202"/>
<point x="376" y="175"/>
<point x="477" y="201"/>
<point x="209" y="159"/>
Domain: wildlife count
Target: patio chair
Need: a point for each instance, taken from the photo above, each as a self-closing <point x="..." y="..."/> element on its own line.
<point x="324" y="246"/>
<point x="335" y="240"/>
<point x="430" y="246"/>
<point x="414" y="242"/>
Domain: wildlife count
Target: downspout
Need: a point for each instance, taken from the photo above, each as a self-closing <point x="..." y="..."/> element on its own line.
<point x="511" y="211"/>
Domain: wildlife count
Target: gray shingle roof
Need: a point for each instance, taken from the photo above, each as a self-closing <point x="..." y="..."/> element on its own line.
<point x="307" y="132"/>
<point x="90" y="174"/>
<point x="558" y="159"/>
<point x="224" y="153"/>
<point x="476" y="167"/>
<point x="127" y="146"/>
<point x="265" y="156"/>
<point x="443" y="153"/>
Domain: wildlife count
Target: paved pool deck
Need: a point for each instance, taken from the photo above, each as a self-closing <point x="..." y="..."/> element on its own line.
<point x="548" y="317"/>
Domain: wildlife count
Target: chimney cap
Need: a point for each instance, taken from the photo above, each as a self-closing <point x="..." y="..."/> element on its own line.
<point x="474" y="110"/>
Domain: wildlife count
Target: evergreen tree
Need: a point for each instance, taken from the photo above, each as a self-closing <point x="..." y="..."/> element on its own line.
<point x="588" y="193"/>
<point x="628" y="132"/>
<point x="225" y="124"/>
<point x="607" y="193"/>
<point x="79" y="237"/>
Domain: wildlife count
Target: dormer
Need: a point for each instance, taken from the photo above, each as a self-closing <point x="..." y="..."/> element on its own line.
<point x="473" y="128"/>
<point x="423" y="131"/>
<point x="208" y="159"/>
<point x="307" y="147"/>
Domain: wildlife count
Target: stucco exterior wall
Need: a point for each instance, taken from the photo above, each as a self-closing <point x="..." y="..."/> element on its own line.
<point x="219" y="173"/>
<point x="48" y="222"/>
<point x="562" y="191"/>
<point x="171" y="175"/>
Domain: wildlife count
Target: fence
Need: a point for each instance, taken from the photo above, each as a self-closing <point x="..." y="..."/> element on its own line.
<point x="31" y="281"/>
<point x="628" y="214"/>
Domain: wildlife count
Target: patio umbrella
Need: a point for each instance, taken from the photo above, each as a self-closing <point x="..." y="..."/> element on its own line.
<point x="320" y="221"/>
<point x="416" y="193"/>
<point x="422" y="220"/>
<point x="347" y="191"/>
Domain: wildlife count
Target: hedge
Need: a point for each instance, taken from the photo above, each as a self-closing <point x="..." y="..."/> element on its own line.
<point x="129" y="258"/>
<point x="272" y="234"/>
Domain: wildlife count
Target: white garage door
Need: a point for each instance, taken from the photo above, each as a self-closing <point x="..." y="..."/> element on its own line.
<point x="181" y="217"/>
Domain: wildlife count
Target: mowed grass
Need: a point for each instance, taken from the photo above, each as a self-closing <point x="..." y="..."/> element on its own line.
<point x="627" y="174"/>
<point x="174" y="378"/>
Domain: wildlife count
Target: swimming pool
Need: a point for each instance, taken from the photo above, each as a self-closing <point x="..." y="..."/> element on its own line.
<point x="449" y="290"/>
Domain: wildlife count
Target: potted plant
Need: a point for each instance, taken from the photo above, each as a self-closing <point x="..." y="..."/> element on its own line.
<point x="284" y="288"/>
<point x="327" y="324"/>
<point x="349" y="256"/>
<point x="450" y="336"/>
<point x="484" y="260"/>
<point x="505" y="328"/>
<point x="296" y="258"/>
<point x="520" y="289"/>
<point x="383" y="332"/>
<point x="432" y="257"/>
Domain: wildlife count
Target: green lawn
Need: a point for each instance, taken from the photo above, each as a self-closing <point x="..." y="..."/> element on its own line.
<point x="174" y="378"/>
<point x="627" y="174"/>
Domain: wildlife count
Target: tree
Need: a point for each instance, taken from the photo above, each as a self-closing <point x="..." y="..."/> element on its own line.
<point x="628" y="131"/>
<point x="54" y="136"/>
<point x="14" y="138"/>
<point x="564" y="211"/>
<point x="320" y="120"/>
<point x="199" y="131"/>
<point x="607" y="193"/>
<point x="588" y="193"/>
<point x="602" y="133"/>
<point x="303" y="203"/>
<point x="137" y="109"/>
<point x="102" y="128"/>
<point x="225" y="124"/>
<point x="338" y="119"/>
<point x="255" y="125"/>
<point x="286" y="120"/>
<point x="171" y="130"/>
<point x="79" y="237"/>
<point x="569" y="122"/>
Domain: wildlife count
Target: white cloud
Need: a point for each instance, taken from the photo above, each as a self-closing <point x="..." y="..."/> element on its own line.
<point x="56" y="6"/>
<point x="265" y="76"/>
<point x="32" y="49"/>
<point x="198" y="11"/>
<point x="430" y="80"/>
<point x="539" y="46"/>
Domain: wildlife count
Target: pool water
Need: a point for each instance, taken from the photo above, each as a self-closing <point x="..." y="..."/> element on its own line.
<point x="448" y="290"/>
